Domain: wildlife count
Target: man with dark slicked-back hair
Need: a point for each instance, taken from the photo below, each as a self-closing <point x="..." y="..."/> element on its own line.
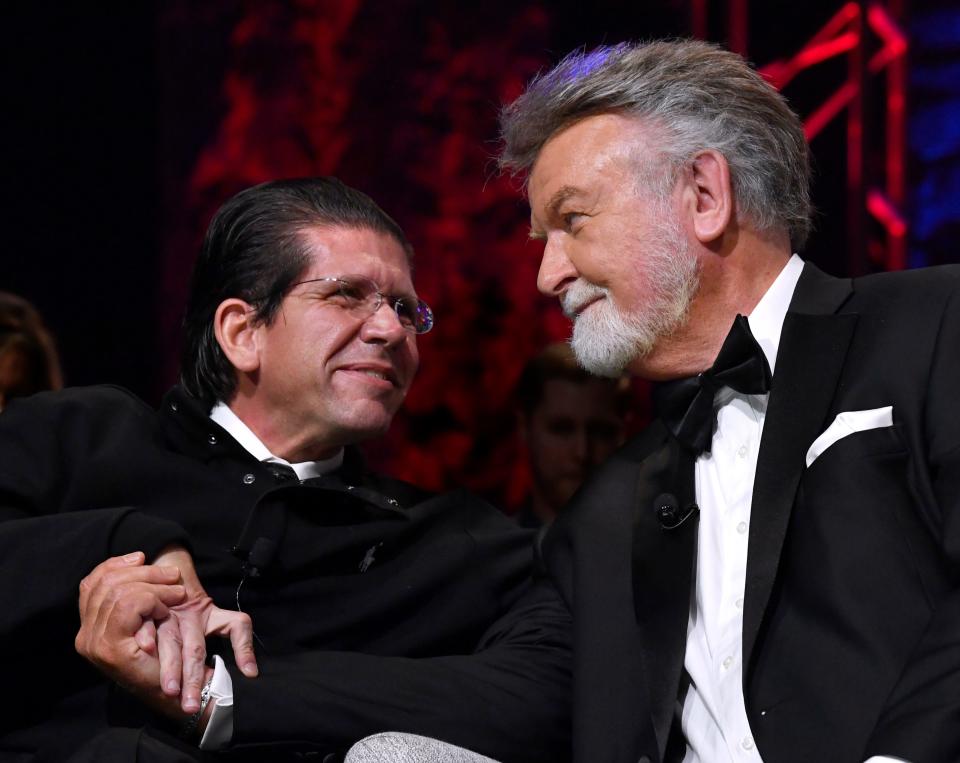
<point x="336" y="603"/>
<point x="770" y="571"/>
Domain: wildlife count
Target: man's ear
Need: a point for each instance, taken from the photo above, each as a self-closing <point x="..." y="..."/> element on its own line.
<point x="712" y="195"/>
<point x="236" y="332"/>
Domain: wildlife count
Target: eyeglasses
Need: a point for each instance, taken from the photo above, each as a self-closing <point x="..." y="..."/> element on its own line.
<point x="362" y="297"/>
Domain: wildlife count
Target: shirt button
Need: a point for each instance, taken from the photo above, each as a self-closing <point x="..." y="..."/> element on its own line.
<point x="742" y="528"/>
<point x="747" y="743"/>
<point x="738" y="603"/>
<point x="742" y="452"/>
<point x="727" y="662"/>
<point x="248" y="479"/>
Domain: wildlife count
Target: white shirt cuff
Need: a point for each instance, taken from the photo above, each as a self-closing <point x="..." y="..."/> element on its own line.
<point x="885" y="759"/>
<point x="219" y="729"/>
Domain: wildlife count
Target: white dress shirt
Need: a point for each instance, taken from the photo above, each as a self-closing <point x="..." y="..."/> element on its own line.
<point x="713" y="712"/>
<point x="219" y="728"/>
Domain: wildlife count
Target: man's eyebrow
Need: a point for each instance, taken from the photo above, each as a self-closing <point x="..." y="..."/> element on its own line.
<point x="561" y="195"/>
<point x="564" y="193"/>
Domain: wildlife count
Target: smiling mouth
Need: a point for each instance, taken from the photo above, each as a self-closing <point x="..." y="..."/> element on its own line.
<point x="384" y="375"/>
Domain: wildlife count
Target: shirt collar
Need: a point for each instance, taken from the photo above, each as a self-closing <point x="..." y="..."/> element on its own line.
<point x="766" y="320"/>
<point x="226" y="418"/>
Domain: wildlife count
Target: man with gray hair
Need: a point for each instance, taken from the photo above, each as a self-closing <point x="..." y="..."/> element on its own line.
<point x="768" y="572"/>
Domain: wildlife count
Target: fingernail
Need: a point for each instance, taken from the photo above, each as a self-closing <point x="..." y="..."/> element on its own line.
<point x="131" y="558"/>
<point x="191" y="705"/>
<point x="249" y="670"/>
<point x="173" y="687"/>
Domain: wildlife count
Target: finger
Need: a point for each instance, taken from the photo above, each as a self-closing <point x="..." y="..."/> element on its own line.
<point x="146" y="637"/>
<point x="170" y="648"/>
<point x="109" y="638"/>
<point x="109" y="584"/>
<point x="115" y="562"/>
<point x="116" y="625"/>
<point x="194" y="656"/>
<point x="241" y="638"/>
<point x="149" y="573"/>
<point x="124" y="615"/>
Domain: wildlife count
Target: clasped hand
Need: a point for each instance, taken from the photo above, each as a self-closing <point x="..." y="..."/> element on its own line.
<point x="145" y="627"/>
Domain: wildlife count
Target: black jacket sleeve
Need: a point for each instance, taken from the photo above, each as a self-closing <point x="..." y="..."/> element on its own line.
<point x="48" y="544"/>
<point x="509" y="700"/>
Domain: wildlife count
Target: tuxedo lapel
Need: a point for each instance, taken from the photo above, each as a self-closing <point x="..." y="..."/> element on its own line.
<point x="810" y="357"/>
<point x="662" y="576"/>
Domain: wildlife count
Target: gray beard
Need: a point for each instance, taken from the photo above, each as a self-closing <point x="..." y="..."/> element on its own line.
<point x="607" y="339"/>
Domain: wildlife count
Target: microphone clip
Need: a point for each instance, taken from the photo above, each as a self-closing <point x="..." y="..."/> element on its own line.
<point x="669" y="514"/>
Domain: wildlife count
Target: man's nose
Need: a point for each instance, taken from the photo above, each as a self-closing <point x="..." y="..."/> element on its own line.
<point x="581" y="446"/>
<point x="556" y="270"/>
<point x="384" y="326"/>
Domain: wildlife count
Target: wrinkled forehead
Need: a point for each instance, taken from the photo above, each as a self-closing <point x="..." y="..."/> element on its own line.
<point x="341" y="250"/>
<point x="603" y="147"/>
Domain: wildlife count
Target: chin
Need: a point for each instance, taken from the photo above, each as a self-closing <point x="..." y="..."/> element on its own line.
<point x="360" y="429"/>
<point x="564" y="492"/>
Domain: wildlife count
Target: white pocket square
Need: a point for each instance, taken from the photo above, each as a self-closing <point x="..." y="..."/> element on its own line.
<point x="847" y="423"/>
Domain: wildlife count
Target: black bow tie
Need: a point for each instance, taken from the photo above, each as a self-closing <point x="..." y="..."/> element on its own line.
<point x="686" y="405"/>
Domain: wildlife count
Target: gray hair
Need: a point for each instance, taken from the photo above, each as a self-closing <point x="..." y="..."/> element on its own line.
<point x="700" y="97"/>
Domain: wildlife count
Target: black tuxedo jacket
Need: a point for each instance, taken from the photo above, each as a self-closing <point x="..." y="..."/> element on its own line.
<point x="851" y="621"/>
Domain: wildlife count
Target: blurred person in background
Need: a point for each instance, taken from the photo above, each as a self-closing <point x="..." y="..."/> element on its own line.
<point x="28" y="356"/>
<point x="569" y="421"/>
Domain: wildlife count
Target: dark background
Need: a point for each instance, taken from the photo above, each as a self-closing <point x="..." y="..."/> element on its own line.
<point x="127" y="124"/>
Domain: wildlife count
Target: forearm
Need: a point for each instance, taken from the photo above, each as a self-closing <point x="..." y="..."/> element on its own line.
<point x="51" y="554"/>
<point x="509" y="701"/>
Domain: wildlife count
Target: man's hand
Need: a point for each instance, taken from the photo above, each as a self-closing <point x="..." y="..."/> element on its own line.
<point x="181" y="637"/>
<point x="116" y="598"/>
<point x="144" y="626"/>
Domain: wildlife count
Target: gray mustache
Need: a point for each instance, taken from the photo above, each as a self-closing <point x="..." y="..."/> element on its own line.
<point x="578" y="294"/>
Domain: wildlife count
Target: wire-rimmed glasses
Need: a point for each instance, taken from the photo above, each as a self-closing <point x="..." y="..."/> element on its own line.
<point x="360" y="296"/>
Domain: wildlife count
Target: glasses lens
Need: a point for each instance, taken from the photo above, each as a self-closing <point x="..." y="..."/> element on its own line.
<point x="424" y="317"/>
<point x="416" y="317"/>
<point x="406" y="314"/>
<point x="362" y="297"/>
<point x="356" y="292"/>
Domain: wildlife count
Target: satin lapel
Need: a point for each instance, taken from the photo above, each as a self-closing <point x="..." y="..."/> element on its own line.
<point x="662" y="578"/>
<point x="812" y="350"/>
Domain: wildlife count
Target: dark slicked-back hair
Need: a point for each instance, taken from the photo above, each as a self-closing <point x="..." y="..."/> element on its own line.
<point x="254" y="250"/>
<point x="696" y="96"/>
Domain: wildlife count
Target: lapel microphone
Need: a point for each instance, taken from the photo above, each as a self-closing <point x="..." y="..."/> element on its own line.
<point x="668" y="512"/>
<point x="257" y="558"/>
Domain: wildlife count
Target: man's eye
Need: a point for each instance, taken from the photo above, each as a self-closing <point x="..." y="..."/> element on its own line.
<point x="406" y="311"/>
<point x="572" y="219"/>
<point x="349" y="293"/>
<point x="561" y="427"/>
